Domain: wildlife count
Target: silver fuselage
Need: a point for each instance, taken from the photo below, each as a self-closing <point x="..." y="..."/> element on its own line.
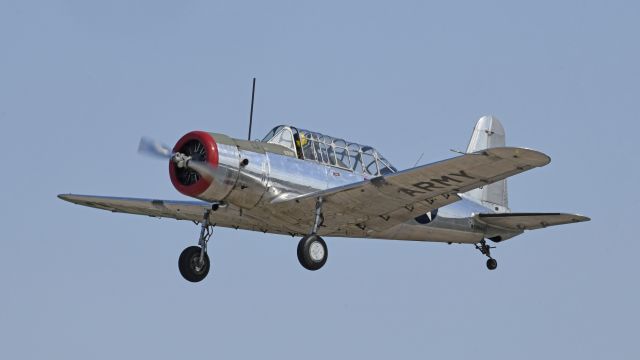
<point x="268" y="177"/>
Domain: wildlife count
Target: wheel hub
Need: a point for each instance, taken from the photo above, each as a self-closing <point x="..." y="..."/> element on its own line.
<point x="316" y="250"/>
<point x="197" y="265"/>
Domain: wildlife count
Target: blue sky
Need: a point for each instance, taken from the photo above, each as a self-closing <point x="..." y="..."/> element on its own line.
<point x="82" y="81"/>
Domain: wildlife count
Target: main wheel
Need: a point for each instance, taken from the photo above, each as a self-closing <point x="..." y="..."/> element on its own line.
<point x="189" y="264"/>
<point x="312" y="252"/>
<point x="492" y="264"/>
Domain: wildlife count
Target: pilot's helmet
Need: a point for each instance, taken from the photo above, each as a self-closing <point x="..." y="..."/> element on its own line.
<point x="303" y="140"/>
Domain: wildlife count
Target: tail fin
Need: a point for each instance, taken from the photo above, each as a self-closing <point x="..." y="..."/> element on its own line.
<point x="489" y="133"/>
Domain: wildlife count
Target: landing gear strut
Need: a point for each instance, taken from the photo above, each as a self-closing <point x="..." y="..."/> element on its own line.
<point x="194" y="262"/>
<point x="485" y="249"/>
<point x="312" y="250"/>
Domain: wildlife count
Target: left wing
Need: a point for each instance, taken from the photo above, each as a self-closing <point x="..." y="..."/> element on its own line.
<point x="380" y="203"/>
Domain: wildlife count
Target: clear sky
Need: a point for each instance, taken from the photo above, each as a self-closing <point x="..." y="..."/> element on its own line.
<point x="82" y="81"/>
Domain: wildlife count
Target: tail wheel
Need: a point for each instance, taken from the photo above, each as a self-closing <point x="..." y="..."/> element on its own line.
<point x="492" y="264"/>
<point x="312" y="252"/>
<point x="190" y="265"/>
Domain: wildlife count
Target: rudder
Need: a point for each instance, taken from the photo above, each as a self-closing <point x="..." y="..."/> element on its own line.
<point x="489" y="133"/>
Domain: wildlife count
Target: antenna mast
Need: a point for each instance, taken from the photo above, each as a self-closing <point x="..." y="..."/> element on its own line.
<point x="253" y="94"/>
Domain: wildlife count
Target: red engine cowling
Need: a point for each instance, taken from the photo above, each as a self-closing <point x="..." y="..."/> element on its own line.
<point x="202" y="146"/>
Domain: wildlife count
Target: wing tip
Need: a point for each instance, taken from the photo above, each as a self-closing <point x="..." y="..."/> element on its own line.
<point x="74" y="198"/>
<point x="580" y="218"/>
<point x="65" y="197"/>
<point x="533" y="157"/>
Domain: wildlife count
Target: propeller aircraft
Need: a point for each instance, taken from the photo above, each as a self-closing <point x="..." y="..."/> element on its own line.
<point x="303" y="183"/>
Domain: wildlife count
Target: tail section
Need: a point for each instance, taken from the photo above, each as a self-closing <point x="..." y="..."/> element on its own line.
<point x="489" y="133"/>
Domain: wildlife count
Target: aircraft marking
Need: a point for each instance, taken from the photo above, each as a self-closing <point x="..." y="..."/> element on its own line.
<point x="445" y="181"/>
<point x="428" y="217"/>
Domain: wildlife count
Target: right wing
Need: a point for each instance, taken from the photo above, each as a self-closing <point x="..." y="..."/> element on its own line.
<point x="385" y="201"/>
<point x="226" y="216"/>
<point x="179" y="210"/>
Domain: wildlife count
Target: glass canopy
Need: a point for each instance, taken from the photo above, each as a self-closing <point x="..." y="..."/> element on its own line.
<point x="308" y="145"/>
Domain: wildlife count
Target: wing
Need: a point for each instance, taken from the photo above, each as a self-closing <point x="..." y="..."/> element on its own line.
<point x="385" y="201"/>
<point x="528" y="221"/>
<point x="227" y="216"/>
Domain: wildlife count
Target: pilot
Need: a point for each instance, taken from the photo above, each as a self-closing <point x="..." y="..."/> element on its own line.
<point x="300" y="140"/>
<point x="303" y="143"/>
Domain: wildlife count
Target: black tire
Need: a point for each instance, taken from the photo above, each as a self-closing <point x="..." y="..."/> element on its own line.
<point x="188" y="264"/>
<point x="492" y="264"/>
<point x="308" y="252"/>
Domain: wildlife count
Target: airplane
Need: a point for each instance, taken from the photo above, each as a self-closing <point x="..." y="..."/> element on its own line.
<point x="306" y="184"/>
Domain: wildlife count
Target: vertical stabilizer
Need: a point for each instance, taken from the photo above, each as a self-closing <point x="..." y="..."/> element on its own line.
<point x="489" y="133"/>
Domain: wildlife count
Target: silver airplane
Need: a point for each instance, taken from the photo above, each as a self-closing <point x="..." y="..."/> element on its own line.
<point x="303" y="183"/>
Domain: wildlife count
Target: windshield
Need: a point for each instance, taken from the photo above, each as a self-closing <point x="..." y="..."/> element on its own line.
<point x="271" y="133"/>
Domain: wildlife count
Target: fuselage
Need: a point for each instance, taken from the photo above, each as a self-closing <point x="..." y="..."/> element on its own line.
<point x="253" y="175"/>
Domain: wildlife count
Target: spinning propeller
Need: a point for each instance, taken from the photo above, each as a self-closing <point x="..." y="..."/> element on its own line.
<point x="154" y="148"/>
<point x="151" y="147"/>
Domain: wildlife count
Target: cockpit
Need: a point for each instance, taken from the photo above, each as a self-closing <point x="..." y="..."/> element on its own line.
<point x="312" y="146"/>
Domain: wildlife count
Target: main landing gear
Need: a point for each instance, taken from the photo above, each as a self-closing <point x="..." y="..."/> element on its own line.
<point x="312" y="250"/>
<point x="485" y="249"/>
<point x="194" y="262"/>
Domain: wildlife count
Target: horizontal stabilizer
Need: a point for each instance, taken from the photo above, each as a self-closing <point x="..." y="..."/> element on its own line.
<point x="528" y="221"/>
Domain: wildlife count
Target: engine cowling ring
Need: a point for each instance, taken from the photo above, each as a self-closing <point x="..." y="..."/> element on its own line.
<point x="201" y="146"/>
